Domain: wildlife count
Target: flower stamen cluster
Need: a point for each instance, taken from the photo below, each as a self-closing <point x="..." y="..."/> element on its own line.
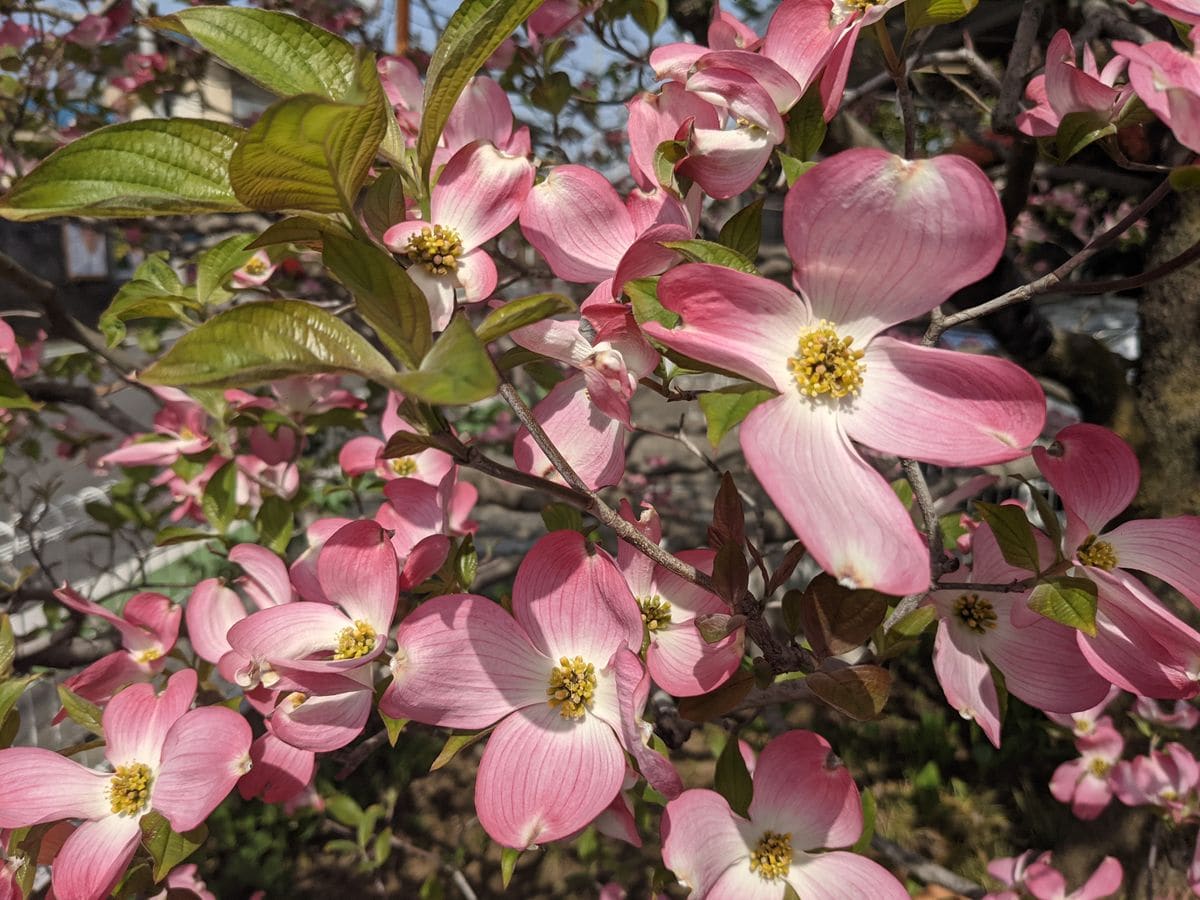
<point x="975" y="612"/>
<point x="438" y="247"/>
<point x="656" y="613"/>
<point x="825" y="364"/>
<point x="129" y="790"/>
<point x="404" y="466"/>
<point x="572" y="684"/>
<point x="355" y="641"/>
<point x="772" y="858"/>
<point x="1094" y="552"/>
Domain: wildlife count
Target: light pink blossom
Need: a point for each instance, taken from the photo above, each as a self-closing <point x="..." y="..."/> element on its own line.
<point x="1065" y="89"/>
<point x="364" y="454"/>
<point x="1084" y="782"/>
<point x="936" y="226"/>
<point x="805" y="802"/>
<point x="1167" y="79"/>
<point x="168" y="759"/>
<point x="1183" y="715"/>
<point x="1166" y="778"/>
<point x="1046" y="883"/>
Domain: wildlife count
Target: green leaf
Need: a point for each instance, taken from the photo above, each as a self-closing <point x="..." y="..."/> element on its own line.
<point x="296" y="230"/>
<point x="710" y="252"/>
<point x="394" y="728"/>
<point x="743" y="232"/>
<point x="261" y="342"/>
<point x="473" y="33"/>
<point x="914" y="624"/>
<point x="726" y="407"/>
<point x="561" y="517"/>
<point x="457" y="371"/>
<point x="383" y="202"/>
<point x="1079" y="129"/>
<point x="859" y="692"/>
<point x="311" y="153"/>
<point x="523" y="311"/>
<point x="1049" y="517"/>
<point x="385" y="296"/>
<point x="732" y="779"/>
<point x="1185" y="178"/>
<point x="455" y="743"/>
<point x="219" y="263"/>
<point x="9" y="726"/>
<point x="11" y="691"/>
<point x="927" y="13"/>
<point x="8" y="647"/>
<point x="167" y="847"/>
<point x="344" y="809"/>
<point x="806" y="126"/>
<point x="650" y="15"/>
<point x="1013" y="533"/>
<point x="643" y="297"/>
<point x="793" y="168"/>
<point x="275" y="524"/>
<point x="154" y="292"/>
<point x="508" y="863"/>
<point x="82" y="712"/>
<point x="279" y="51"/>
<point x="667" y="156"/>
<point x="179" y="534"/>
<point x="219" y="500"/>
<point x="552" y="92"/>
<point x="11" y="394"/>
<point x="868" y="815"/>
<point x="152" y="167"/>
<point x="1069" y="600"/>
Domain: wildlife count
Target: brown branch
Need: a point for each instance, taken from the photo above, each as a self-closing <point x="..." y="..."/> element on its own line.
<point x="923" y="869"/>
<point x="83" y="396"/>
<point x="1012" y="85"/>
<point x="1186" y="258"/>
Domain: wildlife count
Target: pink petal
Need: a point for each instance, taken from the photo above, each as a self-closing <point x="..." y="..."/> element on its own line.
<point x="108" y="675"/>
<point x="843" y="876"/>
<point x="577" y="222"/>
<point x="481" y="113"/>
<point x="158" y="615"/>
<point x="205" y="754"/>
<point x="1041" y="120"/>
<point x="557" y="339"/>
<point x="137" y="720"/>
<point x="266" y="580"/>
<point x="966" y="680"/>
<point x="439" y="291"/>
<point x="800" y="39"/>
<point x="360" y="455"/>
<point x="1044" y="882"/>
<point x="936" y="226"/>
<point x="782" y="88"/>
<point x="1071" y="90"/>
<point x="357" y="571"/>
<point x="571" y="600"/>
<point x="845" y="513"/>
<point x="212" y="609"/>
<point x="638" y="568"/>
<point x="801" y="788"/>
<point x="948" y="408"/>
<point x="480" y="192"/>
<point x="496" y="669"/>
<point x="654" y="118"/>
<point x="303" y="571"/>
<point x="415" y="510"/>
<point x="1105" y="881"/>
<point x="1164" y="548"/>
<point x="726" y="163"/>
<point x="674" y="61"/>
<point x="593" y="443"/>
<point x="738" y="322"/>
<point x="701" y="839"/>
<point x="291" y="632"/>
<point x="424" y="561"/>
<point x="685" y="665"/>
<point x="543" y="776"/>
<point x="741" y="95"/>
<point x="1066" y="778"/>
<point x="278" y="772"/>
<point x="42" y="786"/>
<point x="633" y="689"/>
<point x="837" y="71"/>
<point x="323" y="724"/>
<point x="477" y="277"/>
<point x="94" y="857"/>
<point x="130" y="633"/>
<point x="646" y="256"/>
<point x="1094" y="472"/>
<point x="1092" y="796"/>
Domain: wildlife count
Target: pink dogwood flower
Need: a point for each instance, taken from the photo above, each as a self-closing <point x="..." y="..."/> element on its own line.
<point x="364" y="454"/>
<point x="1040" y="660"/>
<point x="148" y="625"/>
<point x="1046" y="883"/>
<point x="478" y="194"/>
<point x="1183" y="715"/>
<point x="557" y="679"/>
<point x="1167" y="79"/>
<point x="1165" y="778"/>
<point x="804" y="801"/>
<point x="936" y="226"/>
<point x="176" y="762"/>
<point x="680" y="660"/>
<point x="1065" y="88"/>
<point x="256" y="271"/>
<point x="1084" y="782"/>
<point x="482" y="112"/>
<point x="182" y="424"/>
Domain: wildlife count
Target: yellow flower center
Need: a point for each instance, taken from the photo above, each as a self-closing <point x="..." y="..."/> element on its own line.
<point x="1099" y="767"/>
<point x="129" y="789"/>
<point x="295" y="699"/>
<point x="656" y="613"/>
<point x="438" y="247"/>
<point x="355" y="641"/>
<point x="975" y="612"/>
<point x="148" y="655"/>
<point x="772" y="858"/>
<point x="862" y="5"/>
<point x="403" y="466"/>
<point x="255" y="266"/>
<point x="1100" y="554"/>
<point x="572" y="684"/>
<point x="825" y="364"/>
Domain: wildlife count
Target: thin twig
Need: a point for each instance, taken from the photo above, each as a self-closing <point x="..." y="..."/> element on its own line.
<point x="933" y="528"/>
<point x="923" y="869"/>
<point x="1012" y="85"/>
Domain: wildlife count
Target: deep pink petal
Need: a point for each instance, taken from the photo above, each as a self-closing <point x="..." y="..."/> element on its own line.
<point x="543" y="776"/>
<point x="571" y="600"/>
<point x="131" y="634"/>
<point x="593" y="443"/>
<point x="944" y="407"/>
<point x="701" y="839"/>
<point x="426" y="558"/>
<point x="1041" y="120"/>
<point x="477" y="276"/>
<point x="726" y="163"/>
<point x="738" y="322"/>
<point x="266" y="580"/>
<point x="843" y="511"/>
<point x="288" y="633"/>
<point x="205" y="754"/>
<point x="1066" y="778"/>
<point x="357" y="570"/>
<point x="654" y="118"/>
<point x="577" y="222"/>
<point x="108" y="675"/>
<point x="360" y="455"/>
<point x="303" y="572"/>
<point x="1094" y="473"/>
<point x="936" y="226"/>
<point x="1164" y="548"/>
<point x="741" y="95"/>
<point x="496" y="670"/>
<point x="42" y="786"/>
<point x="646" y="256"/>
<point x="636" y="566"/>
<point x="480" y="192"/>
<point x="800" y="38"/>
<point x="843" y="876"/>
<point x="633" y="689"/>
<point x="137" y="720"/>
<point x="966" y="680"/>
<point x="414" y="511"/>
<point x="323" y="724"/>
<point x="158" y="615"/>
<point x="782" y="88"/>
<point x="94" y="857"/>
<point x="1104" y="882"/>
<point x="279" y="771"/>
<point x="674" y="61"/>
<point x="1070" y="89"/>
<point x="1092" y="796"/>
<point x="212" y="609"/>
